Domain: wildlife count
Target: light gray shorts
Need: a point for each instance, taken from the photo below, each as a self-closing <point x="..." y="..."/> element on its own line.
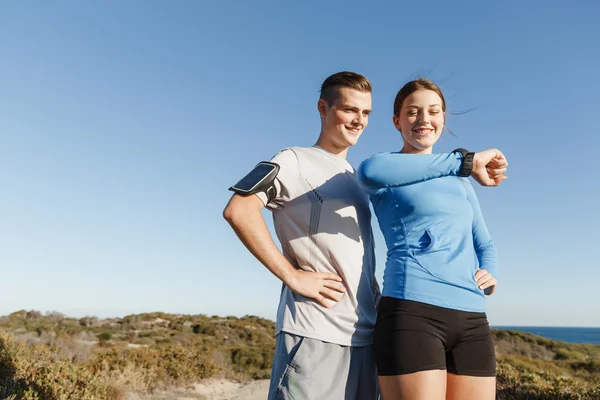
<point x="309" y="369"/>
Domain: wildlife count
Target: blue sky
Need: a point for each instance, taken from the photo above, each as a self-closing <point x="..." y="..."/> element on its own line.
<point x="122" y="124"/>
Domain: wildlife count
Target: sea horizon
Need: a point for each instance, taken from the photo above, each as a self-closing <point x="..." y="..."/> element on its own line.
<point x="569" y="334"/>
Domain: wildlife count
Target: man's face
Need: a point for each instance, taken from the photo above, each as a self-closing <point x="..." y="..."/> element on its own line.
<point x="345" y="119"/>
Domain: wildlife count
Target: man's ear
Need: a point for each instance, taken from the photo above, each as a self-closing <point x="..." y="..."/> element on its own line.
<point x="322" y="107"/>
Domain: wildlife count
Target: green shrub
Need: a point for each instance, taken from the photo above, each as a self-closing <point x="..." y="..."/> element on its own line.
<point x="256" y="361"/>
<point x="104" y="337"/>
<point x="205" y="328"/>
<point x="30" y="373"/>
<point x="566" y="354"/>
<point x="520" y="380"/>
<point x="592" y="366"/>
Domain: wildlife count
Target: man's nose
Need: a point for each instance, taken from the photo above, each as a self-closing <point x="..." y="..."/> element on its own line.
<point x="360" y="120"/>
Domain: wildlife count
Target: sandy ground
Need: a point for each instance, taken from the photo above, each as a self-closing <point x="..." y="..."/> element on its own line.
<point x="213" y="389"/>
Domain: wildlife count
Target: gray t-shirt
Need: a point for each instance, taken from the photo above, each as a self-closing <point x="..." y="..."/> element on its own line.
<point x="322" y="219"/>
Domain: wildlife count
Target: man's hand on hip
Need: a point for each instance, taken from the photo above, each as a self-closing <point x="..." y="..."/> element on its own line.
<point x="323" y="287"/>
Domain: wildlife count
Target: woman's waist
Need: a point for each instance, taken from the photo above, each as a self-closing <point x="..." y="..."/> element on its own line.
<point x="412" y="273"/>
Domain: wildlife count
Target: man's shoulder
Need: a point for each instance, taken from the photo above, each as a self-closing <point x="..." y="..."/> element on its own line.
<point x="298" y="149"/>
<point x="285" y="155"/>
<point x="295" y="153"/>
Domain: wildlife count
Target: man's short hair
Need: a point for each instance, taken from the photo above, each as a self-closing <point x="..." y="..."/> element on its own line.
<point x="352" y="80"/>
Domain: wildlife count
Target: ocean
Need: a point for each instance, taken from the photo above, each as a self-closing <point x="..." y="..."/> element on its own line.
<point x="570" y="335"/>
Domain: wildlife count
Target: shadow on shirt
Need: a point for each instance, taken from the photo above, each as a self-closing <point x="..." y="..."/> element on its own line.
<point x="337" y="207"/>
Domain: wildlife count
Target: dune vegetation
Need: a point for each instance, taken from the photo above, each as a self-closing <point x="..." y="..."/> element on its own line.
<point x="54" y="357"/>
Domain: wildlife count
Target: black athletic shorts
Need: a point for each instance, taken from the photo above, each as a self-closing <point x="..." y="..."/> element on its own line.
<point x="411" y="336"/>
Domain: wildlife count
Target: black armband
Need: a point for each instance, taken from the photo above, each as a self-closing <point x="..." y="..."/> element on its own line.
<point x="467" y="162"/>
<point x="260" y="179"/>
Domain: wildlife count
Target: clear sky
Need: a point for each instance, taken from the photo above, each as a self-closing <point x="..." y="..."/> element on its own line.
<point x="122" y="124"/>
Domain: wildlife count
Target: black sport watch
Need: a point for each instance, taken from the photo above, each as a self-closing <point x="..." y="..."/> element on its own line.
<point x="467" y="162"/>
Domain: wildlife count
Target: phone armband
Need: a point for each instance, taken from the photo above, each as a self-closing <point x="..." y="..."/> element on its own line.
<point x="260" y="179"/>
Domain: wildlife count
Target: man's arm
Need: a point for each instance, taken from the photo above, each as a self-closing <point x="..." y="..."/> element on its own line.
<point x="244" y="215"/>
<point x="388" y="170"/>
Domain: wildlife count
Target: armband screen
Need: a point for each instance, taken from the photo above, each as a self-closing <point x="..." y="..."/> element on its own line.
<point x="260" y="179"/>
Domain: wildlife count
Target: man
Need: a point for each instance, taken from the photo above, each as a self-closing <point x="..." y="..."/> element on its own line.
<point x="327" y="308"/>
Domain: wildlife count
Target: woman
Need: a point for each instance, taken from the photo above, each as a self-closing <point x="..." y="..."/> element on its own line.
<point x="432" y="337"/>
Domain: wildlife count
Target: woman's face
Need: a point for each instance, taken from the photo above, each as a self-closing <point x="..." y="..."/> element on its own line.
<point x="421" y="121"/>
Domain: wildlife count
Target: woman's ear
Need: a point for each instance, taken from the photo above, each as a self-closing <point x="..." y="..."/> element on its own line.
<point x="396" y="121"/>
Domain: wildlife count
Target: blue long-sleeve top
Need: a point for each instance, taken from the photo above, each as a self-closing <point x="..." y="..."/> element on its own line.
<point x="433" y="227"/>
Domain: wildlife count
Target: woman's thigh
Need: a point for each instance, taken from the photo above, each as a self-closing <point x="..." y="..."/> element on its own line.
<point x="424" y="385"/>
<point x="464" y="387"/>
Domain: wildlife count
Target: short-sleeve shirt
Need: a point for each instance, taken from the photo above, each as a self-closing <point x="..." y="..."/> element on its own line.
<point x="323" y="222"/>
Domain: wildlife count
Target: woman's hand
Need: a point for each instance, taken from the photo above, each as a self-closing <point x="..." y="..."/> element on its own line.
<point x="489" y="167"/>
<point x="485" y="281"/>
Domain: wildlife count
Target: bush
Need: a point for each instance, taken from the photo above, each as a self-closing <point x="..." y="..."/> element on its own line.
<point x="592" y="366"/>
<point x="157" y="367"/>
<point x="565" y="354"/>
<point x="205" y="328"/>
<point x="104" y="337"/>
<point x="256" y="361"/>
<point x="30" y="373"/>
<point x="520" y="381"/>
